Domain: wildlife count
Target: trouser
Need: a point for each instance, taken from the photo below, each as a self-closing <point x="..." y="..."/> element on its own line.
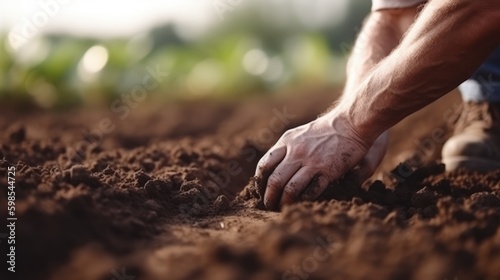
<point x="484" y="85"/>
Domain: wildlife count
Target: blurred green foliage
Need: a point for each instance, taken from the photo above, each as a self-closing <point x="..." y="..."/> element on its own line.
<point x="247" y="53"/>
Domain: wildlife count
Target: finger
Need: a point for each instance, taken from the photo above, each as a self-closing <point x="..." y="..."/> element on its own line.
<point x="372" y="159"/>
<point x="295" y="186"/>
<point x="369" y="164"/>
<point x="267" y="164"/>
<point x="277" y="181"/>
<point x="271" y="159"/>
<point x="364" y="171"/>
<point x="316" y="188"/>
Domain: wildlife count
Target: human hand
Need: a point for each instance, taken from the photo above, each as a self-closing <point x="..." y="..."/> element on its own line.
<point x="373" y="158"/>
<point x="306" y="159"/>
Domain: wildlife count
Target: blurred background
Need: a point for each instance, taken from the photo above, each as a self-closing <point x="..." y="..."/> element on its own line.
<point x="57" y="54"/>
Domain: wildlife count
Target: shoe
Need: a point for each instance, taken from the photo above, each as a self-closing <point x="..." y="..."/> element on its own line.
<point x="475" y="144"/>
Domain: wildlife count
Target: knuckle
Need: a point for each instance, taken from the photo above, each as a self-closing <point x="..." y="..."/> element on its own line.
<point x="273" y="181"/>
<point x="291" y="187"/>
<point x="287" y="135"/>
<point x="261" y="165"/>
<point x="298" y="151"/>
<point x="263" y="162"/>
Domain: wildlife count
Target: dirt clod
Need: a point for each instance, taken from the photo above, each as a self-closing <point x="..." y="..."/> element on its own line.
<point x="142" y="178"/>
<point x="222" y="203"/>
<point x="17" y="133"/>
<point x="165" y="198"/>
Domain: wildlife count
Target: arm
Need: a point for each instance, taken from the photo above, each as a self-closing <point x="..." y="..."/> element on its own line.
<point x="381" y="33"/>
<point x="448" y="42"/>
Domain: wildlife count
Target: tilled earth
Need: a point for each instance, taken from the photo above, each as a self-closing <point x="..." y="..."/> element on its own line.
<point x="165" y="194"/>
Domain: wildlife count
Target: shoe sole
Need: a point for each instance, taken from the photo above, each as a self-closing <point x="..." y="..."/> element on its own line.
<point x="471" y="163"/>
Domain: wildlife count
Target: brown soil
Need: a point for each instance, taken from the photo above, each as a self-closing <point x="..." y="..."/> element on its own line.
<point x="162" y="197"/>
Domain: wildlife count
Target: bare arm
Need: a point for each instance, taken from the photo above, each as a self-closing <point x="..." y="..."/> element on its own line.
<point x="381" y="33"/>
<point x="448" y="42"/>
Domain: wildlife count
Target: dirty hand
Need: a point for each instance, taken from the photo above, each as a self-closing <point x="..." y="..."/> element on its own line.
<point x="306" y="159"/>
<point x="373" y="158"/>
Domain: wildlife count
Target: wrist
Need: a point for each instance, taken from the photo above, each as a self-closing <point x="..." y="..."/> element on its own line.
<point x="339" y="120"/>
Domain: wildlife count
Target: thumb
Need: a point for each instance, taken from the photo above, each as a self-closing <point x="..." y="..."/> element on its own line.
<point x="364" y="171"/>
<point x="373" y="158"/>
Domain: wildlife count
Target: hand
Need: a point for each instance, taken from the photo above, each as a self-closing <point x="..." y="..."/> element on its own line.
<point x="373" y="158"/>
<point x="306" y="159"/>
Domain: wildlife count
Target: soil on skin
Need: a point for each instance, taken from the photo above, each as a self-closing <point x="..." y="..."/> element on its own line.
<point x="162" y="195"/>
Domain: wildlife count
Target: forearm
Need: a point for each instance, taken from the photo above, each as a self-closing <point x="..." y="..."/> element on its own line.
<point x="448" y="42"/>
<point x="381" y="33"/>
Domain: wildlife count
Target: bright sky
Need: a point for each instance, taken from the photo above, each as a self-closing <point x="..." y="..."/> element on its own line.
<point x="128" y="17"/>
<point x="104" y="18"/>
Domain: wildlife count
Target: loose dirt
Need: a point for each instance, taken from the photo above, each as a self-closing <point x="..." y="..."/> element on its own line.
<point x="165" y="194"/>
